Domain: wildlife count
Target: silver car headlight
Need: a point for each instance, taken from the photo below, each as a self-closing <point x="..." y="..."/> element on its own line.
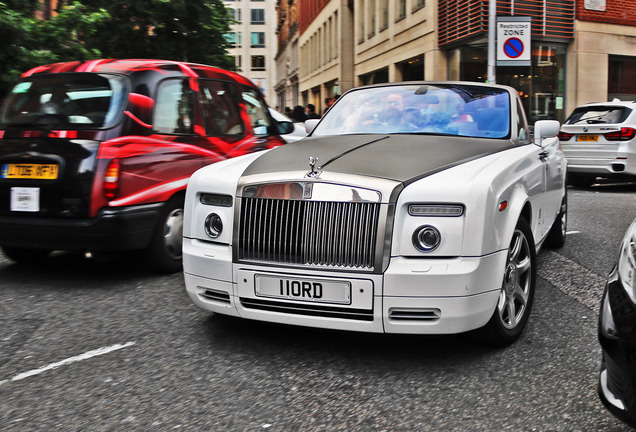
<point x="213" y="225"/>
<point x="627" y="261"/>
<point x="426" y="238"/>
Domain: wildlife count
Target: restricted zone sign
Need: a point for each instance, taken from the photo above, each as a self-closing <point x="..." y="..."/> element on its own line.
<point x="514" y="41"/>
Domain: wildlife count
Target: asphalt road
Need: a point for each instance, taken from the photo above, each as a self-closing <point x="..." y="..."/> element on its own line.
<point x="109" y="346"/>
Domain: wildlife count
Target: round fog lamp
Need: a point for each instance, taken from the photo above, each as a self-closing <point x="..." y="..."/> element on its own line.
<point x="426" y="238"/>
<point x="213" y="225"/>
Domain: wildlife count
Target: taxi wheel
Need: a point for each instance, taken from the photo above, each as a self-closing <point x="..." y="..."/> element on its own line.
<point x="25" y="255"/>
<point x="517" y="291"/>
<point x="164" y="254"/>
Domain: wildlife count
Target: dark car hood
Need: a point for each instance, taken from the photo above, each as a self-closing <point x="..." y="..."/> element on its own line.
<point x="403" y="158"/>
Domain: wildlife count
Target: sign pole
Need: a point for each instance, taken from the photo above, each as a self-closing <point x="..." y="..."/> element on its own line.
<point x="492" y="15"/>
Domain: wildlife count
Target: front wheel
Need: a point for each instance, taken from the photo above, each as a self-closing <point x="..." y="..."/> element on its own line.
<point x="164" y="254"/>
<point x="517" y="292"/>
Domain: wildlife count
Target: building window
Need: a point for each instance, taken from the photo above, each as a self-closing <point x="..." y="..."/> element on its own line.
<point x="418" y="4"/>
<point x="362" y="22"/>
<point x="258" y="40"/>
<point x="400" y="11"/>
<point x="384" y="14"/>
<point x="258" y="16"/>
<point x="371" y="15"/>
<point x="258" y="62"/>
<point x="236" y="14"/>
<point x="622" y="78"/>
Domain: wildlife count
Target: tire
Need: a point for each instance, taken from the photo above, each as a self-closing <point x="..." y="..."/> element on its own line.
<point x="517" y="291"/>
<point x="556" y="235"/>
<point x="164" y="254"/>
<point x="580" y="180"/>
<point x="25" y="255"/>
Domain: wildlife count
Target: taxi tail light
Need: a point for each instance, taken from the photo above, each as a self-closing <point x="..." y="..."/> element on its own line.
<point x="111" y="180"/>
<point x="564" y="136"/>
<point x="625" y="134"/>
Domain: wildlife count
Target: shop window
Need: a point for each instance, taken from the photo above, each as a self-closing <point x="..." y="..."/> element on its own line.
<point x="377" y="77"/>
<point x="622" y="78"/>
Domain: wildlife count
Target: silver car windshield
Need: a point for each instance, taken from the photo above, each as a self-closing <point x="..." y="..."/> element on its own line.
<point x="462" y="110"/>
<point x="66" y="101"/>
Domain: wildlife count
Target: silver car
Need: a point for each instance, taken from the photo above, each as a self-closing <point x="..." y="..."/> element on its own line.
<point x="599" y="139"/>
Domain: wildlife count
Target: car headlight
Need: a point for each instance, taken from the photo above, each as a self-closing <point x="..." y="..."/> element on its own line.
<point x="213" y="225"/>
<point x="426" y="238"/>
<point x="627" y="261"/>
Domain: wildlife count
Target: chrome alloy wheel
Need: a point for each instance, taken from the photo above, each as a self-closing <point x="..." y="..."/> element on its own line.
<point x="517" y="282"/>
<point x="173" y="233"/>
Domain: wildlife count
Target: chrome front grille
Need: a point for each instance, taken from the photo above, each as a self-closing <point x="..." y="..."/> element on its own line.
<point x="318" y="233"/>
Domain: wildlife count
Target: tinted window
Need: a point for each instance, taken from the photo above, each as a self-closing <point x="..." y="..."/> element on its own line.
<point x="66" y="101"/>
<point x="257" y="110"/>
<point x="220" y="111"/>
<point x="173" y="108"/>
<point x="599" y="115"/>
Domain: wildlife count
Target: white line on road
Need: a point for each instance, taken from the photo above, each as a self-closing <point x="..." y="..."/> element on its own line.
<point x="85" y="356"/>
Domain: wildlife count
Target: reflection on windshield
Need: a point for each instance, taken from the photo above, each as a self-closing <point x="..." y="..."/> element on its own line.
<point x="65" y="101"/>
<point x="463" y="110"/>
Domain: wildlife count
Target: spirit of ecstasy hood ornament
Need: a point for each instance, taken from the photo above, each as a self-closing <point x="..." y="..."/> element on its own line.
<point x="312" y="164"/>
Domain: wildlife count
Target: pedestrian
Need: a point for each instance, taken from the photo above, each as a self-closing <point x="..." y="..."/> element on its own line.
<point x="298" y="115"/>
<point x="288" y="111"/>
<point x="311" y="112"/>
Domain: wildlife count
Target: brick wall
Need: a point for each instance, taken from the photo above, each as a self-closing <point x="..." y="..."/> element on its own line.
<point x="616" y="12"/>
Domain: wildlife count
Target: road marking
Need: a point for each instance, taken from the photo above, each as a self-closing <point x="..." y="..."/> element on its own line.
<point x="572" y="278"/>
<point x="85" y="356"/>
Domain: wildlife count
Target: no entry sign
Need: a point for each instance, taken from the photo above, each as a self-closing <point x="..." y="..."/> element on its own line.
<point x="514" y="41"/>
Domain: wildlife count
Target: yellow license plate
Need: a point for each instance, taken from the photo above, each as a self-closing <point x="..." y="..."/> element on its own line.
<point x="29" y="171"/>
<point x="587" y="138"/>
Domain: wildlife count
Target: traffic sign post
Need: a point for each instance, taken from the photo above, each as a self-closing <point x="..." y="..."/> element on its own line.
<point x="514" y="41"/>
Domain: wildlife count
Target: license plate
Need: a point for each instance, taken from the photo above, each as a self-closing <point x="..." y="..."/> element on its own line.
<point x="587" y="138"/>
<point x="311" y="290"/>
<point x="29" y="171"/>
<point x="25" y="199"/>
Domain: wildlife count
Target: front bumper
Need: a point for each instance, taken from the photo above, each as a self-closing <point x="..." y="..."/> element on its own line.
<point x="113" y="229"/>
<point x="418" y="296"/>
<point x="617" y="336"/>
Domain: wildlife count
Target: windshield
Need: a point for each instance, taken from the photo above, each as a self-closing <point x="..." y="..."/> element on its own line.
<point x="462" y="110"/>
<point x="65" y="101"/>
<point x="598" y="115"/>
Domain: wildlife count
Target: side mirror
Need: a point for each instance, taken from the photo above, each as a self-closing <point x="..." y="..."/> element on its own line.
<point x="545" y="129"/>
<point x="310" y="124"/>
<point x="285" y="127"/>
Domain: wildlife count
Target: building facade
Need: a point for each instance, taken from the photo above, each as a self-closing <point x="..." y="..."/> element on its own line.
<point x="254" y="43"/>
<point x="287" y="64"/>
<point x="579" y="51"/>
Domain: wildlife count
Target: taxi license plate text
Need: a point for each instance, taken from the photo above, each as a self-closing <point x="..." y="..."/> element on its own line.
<point x="312" y="290"/>
<point x="29" y="171"/>
<point x="587" y="138"/>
